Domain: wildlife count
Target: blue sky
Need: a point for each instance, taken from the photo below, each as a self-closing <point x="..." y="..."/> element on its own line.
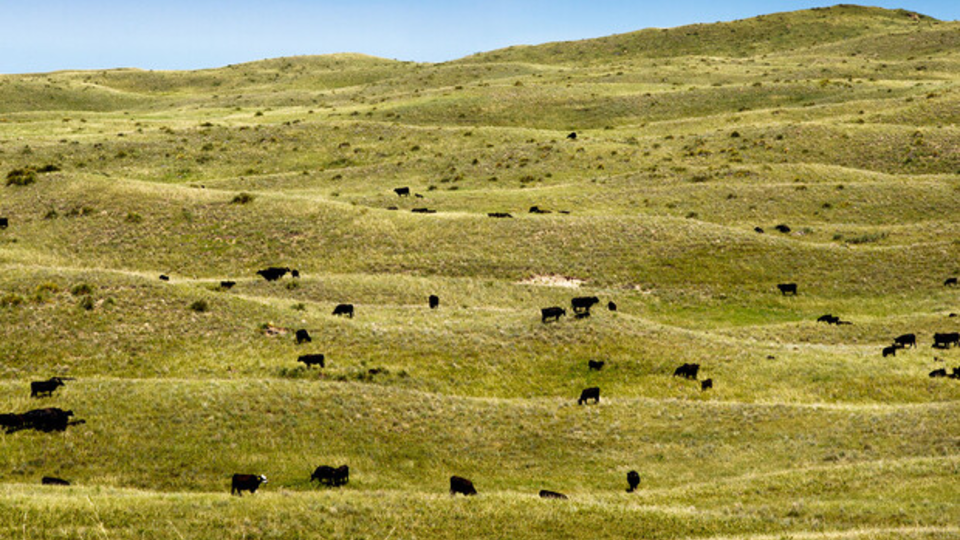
<point x="49" y="35"/>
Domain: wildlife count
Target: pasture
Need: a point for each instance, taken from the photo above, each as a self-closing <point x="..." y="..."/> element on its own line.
<point x="840" y="123"/>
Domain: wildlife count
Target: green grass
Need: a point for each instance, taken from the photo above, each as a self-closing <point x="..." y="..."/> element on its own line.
<point x="838" y="122"/>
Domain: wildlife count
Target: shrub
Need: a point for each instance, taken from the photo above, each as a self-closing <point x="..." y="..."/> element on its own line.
<point x="10" y="300"/>
<point x="21" y="177"/>
<point x="133" y="217"/>
<point x="81" y="289"/>
<point x="200" y="306"/>
<point x="242" y="198"/>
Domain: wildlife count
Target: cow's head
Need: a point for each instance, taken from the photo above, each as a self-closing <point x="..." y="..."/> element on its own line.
<point x="262" y="478"/>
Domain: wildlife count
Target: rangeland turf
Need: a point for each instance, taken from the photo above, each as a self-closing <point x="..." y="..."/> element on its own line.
<point x="840" y="123"/>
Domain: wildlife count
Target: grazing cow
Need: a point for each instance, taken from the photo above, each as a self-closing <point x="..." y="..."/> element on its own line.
<point x="461" y="485"/>
<point x="552" y="312"/>
<point x="889" y="351"/>
<point x="53" y="481"/>
<point x="583" y="303"/>
<point x="944" y="341"/>
<point x="572" y="135"/>
<point x="423" y="211"/>
<point x="758" y="230"/>
<point x="434" y="301"/>
<point x="227" y="284"/>
<point x="39" y="388"/>
<point x="589" y="393"/>
<point x="595" y="365"/>
<point x="786" y="288"/>
<point x="955" y="374"/>
<point x="499" y="215"/>
<point x="273" y="273"/>
<point x="344" y="309"/>
<point x="938" y="373"/>
<point x="402" y="191"/>
<point x="782" y="228"/>
<point x="538" y="210"/>
<point x="45" y="420"/>
<point x="906" y="340"/>
<point x="164" y="277"/>
<point x="828" y="318"/>
<point x="311" y="360"/>
<point x="950" y="282"/>
<point x="303" y="336"/>
<point x="246" y="482"/>
<point x="706" y="384"/>
<point x="4" y="223"/>
<point x="329" y="476"/>
<point x="611" y="306"/>
<point x="633" y="480"/>
<point x="547" y="494"/>
<point x="688" y="371"/>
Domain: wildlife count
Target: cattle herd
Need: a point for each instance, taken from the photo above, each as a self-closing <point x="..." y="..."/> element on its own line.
<point x="54" y="419"/>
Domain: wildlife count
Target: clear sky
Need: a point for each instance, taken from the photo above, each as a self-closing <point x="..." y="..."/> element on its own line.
<point x="49" y="35"/>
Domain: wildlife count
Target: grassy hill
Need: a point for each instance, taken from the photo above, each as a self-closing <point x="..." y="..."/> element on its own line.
<point x="840" y="123"/>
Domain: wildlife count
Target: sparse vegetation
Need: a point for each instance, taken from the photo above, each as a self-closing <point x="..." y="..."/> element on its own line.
<point x="688" y="141"/>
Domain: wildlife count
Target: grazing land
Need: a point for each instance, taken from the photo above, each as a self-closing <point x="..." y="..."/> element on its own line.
<point x="840" y="123"/>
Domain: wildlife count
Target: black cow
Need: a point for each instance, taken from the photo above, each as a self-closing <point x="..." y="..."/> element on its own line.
<point x="499" y="215"/>
<point x="938" y="373"/>
<point x="45" y="420"/>
<point x="787" y="288"/>
<point x="461" y="485"/>
<point x="434" y="301"/>
<point x="611" y="306"/>
<point x="782" y="228"/>
<point x="828" y="318"/>
<point x="227" y="284"/>
<point x="344" y="309"/>
<point x="295" y="273"/>
<point x="552" y="312"/>
<point x="633" y="480"/>
<point x="423" y="211"/>
<point x="955" y="374"/>
<point x="4" y="223"/>
<point x="164" y="277"/>
<point x="688" y="371"/>
<point x="583" y="303"/>
<point x="547" y="494"/>
<point x="572" y="135"/>
<point x="402" y="191"/>
<point x="329" y="476"/>
<point x="246" y="482"/>
<point x="273" y="273"/>
<point x="906" y="340"/>
<point x="311" y="360"/>
<point x="303" y="336"/>
<point x="889" y="351"/>
<point x="944" y="341"/>
<point x="589" y="393"/>
<point x="53" y="481"/>
<point x="538" y="210"/>
<point x="38" y="388"/>
<point x="950" y="282"/>
<point x="706" y="384"/>
<point x="595" y="365"/>
<point x="758" y="230"/>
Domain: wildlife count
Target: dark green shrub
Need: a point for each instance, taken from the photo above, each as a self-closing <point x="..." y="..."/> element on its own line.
<point x="21" y="177"/>
<point x="200" y="306"/>
<point x="11" y="300"/>
<point x="81" y="289"/>
<point x="243" y="198"/>
<point x="87" y="303"/>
